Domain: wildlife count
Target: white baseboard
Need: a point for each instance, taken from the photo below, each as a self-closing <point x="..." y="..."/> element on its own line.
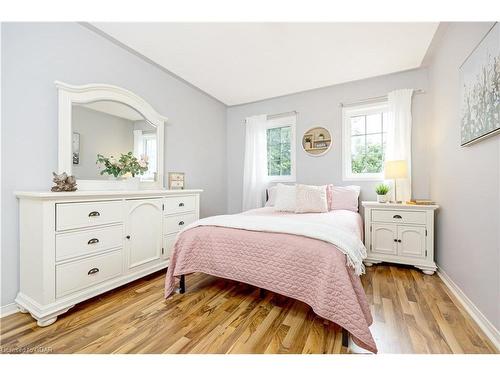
<point x="486" y="326"/>
<point x="8" y="309"/>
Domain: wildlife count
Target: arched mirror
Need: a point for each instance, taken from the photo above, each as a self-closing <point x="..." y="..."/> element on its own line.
<point x="110" y="129"/>
<point x="317" y="141"/>
<point x="109" y="138"/>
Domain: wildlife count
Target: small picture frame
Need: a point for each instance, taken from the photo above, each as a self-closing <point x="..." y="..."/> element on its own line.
<point x="176" y="180"/>
<point x="76" y="148"/>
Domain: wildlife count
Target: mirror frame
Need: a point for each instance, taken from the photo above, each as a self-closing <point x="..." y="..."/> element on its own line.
<point x="71" y="94"/>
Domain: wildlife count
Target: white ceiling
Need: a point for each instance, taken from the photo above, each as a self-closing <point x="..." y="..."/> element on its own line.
<point x="244" y="62"/>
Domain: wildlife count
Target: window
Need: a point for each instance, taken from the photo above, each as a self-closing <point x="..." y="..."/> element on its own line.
<point x="145" y="144"/>
<point x="365" y="139"/>
<point x="280" y="137"/>
<point x="149" y="149"/>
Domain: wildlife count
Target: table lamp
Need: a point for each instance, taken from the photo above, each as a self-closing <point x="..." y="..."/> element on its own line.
<point x="393" y="170"/>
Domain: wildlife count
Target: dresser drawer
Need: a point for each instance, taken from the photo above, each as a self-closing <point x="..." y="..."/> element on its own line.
<point x="175" y="205"/>
<point x="173" y="224"/>
<point x="397" y="216"/>
<point x="88" y="214"/>
<point x="88" y="241"/>
<point x="81" y="274"/>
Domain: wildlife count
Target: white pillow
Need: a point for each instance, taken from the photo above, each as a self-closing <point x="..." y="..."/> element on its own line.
<point x="310" y="198"/>
<point x="345" y="197"/>
<point x="285" y="198"/>
<point x="271" y="196"/>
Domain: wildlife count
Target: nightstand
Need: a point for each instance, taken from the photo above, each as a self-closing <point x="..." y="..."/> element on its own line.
<point x="400" y="233"/>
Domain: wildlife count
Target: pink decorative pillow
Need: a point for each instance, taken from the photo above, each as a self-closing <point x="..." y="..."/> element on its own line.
<point x="329" y="196"/>
<point x="345" y="197"/>
<point x="311" y="198"/>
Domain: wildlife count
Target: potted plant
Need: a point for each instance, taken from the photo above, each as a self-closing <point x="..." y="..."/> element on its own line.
<point x="127" y="165"/>
<point x="382" y="190"/>
<point x="308" y="142"/>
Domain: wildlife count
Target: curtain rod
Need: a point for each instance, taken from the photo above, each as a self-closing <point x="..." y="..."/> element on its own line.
<point x="284" y="114"/>
<point x="375" y="98"/>
<point x="278" y="115"/>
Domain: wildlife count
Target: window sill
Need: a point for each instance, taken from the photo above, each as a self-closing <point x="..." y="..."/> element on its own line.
<point x="378" y="178"/>
<point x="280" y="179"/>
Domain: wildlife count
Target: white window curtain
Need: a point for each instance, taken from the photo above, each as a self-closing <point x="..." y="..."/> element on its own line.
<point x="399" y="138"/>
<point x="255" y="166"/>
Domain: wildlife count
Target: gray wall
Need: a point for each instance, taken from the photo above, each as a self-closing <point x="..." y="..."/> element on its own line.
<point x="100" y="133"/>
<point x="464" y="180"/>
<point x="321" y="107"/>
<point x="36" y="54"/>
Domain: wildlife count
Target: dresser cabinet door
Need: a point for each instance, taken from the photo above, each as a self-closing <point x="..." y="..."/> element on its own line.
<point x="383" y="236"/>
<point x="412" y="241"/>
<point x="143" y="231"/>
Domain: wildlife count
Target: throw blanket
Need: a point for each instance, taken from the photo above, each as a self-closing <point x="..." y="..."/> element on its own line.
<point x="310" y="270"/>
<point x="348" y="243"/>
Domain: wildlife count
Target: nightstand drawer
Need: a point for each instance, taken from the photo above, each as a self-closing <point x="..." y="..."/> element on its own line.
<point x="399" y="216"/>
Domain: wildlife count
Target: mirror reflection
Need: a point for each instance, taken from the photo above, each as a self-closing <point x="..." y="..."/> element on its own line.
<point x="111" y="129"/>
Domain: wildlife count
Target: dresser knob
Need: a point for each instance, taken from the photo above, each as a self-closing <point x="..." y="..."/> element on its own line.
<point x="94" y="214"/>
<point x="93" y="241"/>
<point x="397" y="217"/>
<point x="181" y="204"/>
<point x="127" y="237"/>
<point x="181" y="223"/>
<point x="93" y="271"/>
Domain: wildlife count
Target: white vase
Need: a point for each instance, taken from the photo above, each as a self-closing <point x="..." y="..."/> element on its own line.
<point x="125" y="182"/>
<point x="382" y="198"/>
<point x="133" y="183"/>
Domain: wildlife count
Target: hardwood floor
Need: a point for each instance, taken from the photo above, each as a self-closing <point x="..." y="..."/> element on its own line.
<point x="413" y="313"/>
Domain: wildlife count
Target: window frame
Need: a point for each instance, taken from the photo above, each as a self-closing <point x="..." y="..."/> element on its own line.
<point x="280" y="122"/>
<point x="144" y="139"/>
<point x="352" y="111"/>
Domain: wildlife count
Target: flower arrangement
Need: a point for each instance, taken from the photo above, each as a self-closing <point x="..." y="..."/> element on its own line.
<point x="126" y="163"/>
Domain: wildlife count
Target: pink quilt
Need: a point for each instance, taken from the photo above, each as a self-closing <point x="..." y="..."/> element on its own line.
<point x="306" y="269"/>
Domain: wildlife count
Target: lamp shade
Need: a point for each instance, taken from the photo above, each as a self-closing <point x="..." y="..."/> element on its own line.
<point x="396" y="169"/>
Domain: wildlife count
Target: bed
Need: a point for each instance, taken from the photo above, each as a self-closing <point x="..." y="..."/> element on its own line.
<point x="312" y="257"/>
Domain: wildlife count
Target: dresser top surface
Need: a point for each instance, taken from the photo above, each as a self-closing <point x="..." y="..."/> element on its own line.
<point x="400" y="206"/>
<point x="103" y="193"/>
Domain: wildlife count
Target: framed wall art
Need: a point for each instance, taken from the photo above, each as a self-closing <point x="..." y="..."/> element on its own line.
<point x="480" y="90"/>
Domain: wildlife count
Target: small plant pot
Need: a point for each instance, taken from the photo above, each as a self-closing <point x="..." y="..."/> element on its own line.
<point x="382" y="198"/>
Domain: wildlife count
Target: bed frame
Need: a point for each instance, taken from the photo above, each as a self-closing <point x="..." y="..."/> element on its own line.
<point x="262" y="293"/>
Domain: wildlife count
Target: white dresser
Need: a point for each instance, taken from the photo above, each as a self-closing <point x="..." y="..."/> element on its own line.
<point x="400" y="233"/>
<point x="76" y="245"/>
